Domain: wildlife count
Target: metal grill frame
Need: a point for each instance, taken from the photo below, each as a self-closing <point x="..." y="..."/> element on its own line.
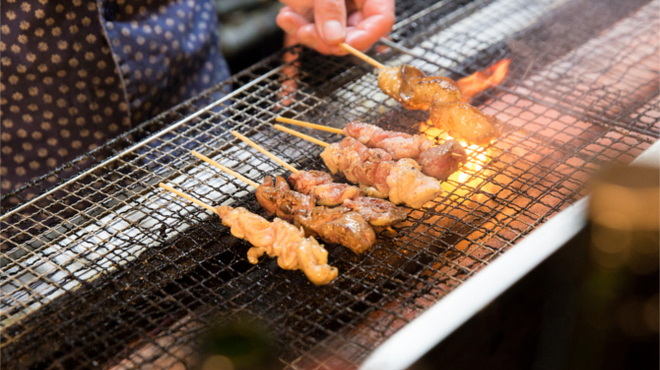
<point x="184" y="272"/>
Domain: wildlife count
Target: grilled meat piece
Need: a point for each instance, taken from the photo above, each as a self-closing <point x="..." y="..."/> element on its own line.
<point x="338" y="225"/>
<point x="409" y="186"/>
<point x="436" y="161"/>
<point x="360" y="165"/>
<point x="277" y="198"/>
<point x="465" y="122"/>
<point x="398" y="144"/>
<point x="378" y="175"/>
<point x="443" y="160"/>
<point x="320" y="186"/>
<point x="282" y="240"/>
<point x="377" y="212"/>
<point x="410" y="87"/>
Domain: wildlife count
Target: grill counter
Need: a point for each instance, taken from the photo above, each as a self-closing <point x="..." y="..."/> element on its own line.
<point x="105" y="270"/>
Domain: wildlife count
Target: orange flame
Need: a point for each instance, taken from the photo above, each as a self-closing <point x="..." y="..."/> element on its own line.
<point x="481" y="80"/>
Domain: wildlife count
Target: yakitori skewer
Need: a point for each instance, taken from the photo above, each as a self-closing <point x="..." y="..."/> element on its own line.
<point x="339" y="225"/>
<point x="377" y="174"/>
<point x="440" y="95"/>
<point x="438" y="161"/>
<point x="326" y="192"/>
<point x="278" y="239"/>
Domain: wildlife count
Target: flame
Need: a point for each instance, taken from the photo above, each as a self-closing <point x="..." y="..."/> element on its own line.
<point x="463" y="181"/>
<point x="481" y="80"/>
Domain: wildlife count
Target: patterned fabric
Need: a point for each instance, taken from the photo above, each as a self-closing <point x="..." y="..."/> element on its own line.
<point x="76" y="73"/>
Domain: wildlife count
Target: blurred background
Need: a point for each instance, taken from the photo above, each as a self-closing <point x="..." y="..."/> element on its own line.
<point x="248" y="31"/>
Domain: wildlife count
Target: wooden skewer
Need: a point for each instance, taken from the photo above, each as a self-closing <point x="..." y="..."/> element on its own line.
<point x="188" y="197"/>
<point x="265" y="152"/>
<point x="301" y="135"/>
<point x="309" y="125"/>
<point x="225" y="169"/>
<point x="361" y="55"/>
<point x="322" y="128"/>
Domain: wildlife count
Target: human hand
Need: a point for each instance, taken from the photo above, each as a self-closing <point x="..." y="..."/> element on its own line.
<point x="324" y="24"/>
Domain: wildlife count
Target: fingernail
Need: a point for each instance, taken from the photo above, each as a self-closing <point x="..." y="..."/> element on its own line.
<point x="333" y="31"/>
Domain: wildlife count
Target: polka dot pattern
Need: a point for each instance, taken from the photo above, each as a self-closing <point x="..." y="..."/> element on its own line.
<point x="168" y="51"/>
<point x="76" y="73"/>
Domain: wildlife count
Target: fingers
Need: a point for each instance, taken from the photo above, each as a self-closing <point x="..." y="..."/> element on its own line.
<point x="331" y="25"/>
<point x="377" y="22"/>
<point x="330" y="20"/>
<point x="302" y="7"/>
<point x="308" y="36"/>
<point x="290" y="21"/>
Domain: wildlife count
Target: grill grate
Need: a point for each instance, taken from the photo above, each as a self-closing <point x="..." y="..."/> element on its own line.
<point x="104" y="269"/>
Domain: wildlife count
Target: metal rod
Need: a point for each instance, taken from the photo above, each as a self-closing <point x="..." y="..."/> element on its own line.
<point x="147" y="140"/>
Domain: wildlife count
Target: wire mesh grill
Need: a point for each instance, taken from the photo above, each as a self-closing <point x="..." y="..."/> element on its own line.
<point x="104" y="269"/>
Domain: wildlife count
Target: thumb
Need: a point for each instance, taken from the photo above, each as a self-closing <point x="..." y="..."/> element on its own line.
<point x="330" y="20"/>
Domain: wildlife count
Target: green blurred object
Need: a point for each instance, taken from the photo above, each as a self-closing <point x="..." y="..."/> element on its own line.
<point x="244" y="344"/>
<point x="618" y="320"/>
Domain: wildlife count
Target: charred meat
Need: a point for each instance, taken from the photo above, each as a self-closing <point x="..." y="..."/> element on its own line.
<point x="338" y="225"/>
<point x="332" y="225"/>
<point x="276" y="197"/>
<point x="377" y="212"/>
<point x="412" y="88"/>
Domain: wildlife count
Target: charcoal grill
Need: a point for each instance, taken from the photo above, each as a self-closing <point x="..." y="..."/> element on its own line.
<point x="100" y="268"/>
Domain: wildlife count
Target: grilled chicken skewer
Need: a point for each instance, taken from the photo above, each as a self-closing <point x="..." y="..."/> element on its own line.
<point x="321" y="186"/>
<point x="377" y="174"/>
<point x="278" y="239"/>
<point x="438" y="161"/>
<point x="338" y="225"/>
<point x="441" y="96"/>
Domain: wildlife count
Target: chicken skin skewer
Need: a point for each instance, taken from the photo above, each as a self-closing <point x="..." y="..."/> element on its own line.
<point x="277" y="239"/>
<point x="412" y="88"/>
